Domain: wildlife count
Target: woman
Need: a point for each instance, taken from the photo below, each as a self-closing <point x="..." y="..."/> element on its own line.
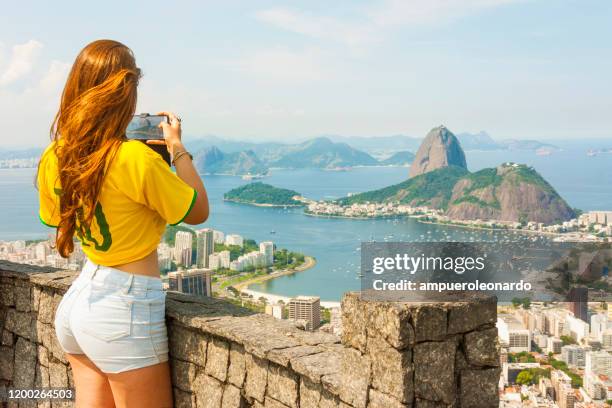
<point x="116" y="196"/>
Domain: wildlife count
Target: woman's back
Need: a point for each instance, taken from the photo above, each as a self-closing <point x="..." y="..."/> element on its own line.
<point x="139" y="196"/>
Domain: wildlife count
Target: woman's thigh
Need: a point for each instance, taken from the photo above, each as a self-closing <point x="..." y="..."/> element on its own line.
<point x="92" y="386"/>
<point x="148" y="387"/>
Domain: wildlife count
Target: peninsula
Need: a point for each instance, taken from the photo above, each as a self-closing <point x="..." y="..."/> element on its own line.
<point x="262" y="194"/>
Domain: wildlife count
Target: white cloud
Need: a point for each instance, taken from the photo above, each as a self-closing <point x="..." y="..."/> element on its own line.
<point x="349" y="33"/>
<point x="55" y="76"/>
<point x="280" y="63"/>
<point x="424" y="12"/>
<point x="371" y="25"/>
<point x="21" y="62"/>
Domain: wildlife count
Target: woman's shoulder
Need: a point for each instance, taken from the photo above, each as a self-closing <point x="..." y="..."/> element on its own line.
<point x="134" y="150"/>
<point x="48" y="155"/>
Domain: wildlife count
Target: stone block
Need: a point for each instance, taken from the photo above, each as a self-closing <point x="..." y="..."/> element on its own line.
<point x="7" y="338"/>
<point x="354" y="324"/>
<point x="7" y="296"/>
<point x="237" y="366"/>
<point x="25" y="364"/>
<point x="423" y="403"/>
<point x="7" y="361"/>
<point x="481" y="347"/>
<point x="355" y="373"/>
<point x="46" y="307"/>
<point x="19" y="323"/>
<point x="315" y="366"/>
<point x="434" y="371"/>
<point x="466" y="316"/>
<point x="283" y="385"/>
<point x="310" y="393"/>
<point x="183" y="374"/>
<point x="272" y="403"/>
<point x="208" y="391"/>
<point x="429" y="321"/>
<point x="22" y="298"/>
<point x="42" y="377"/>
<point x="183" y="399"/>
<point x="392" y="370"/>
<point x="43" y="356"/>
<point x="378" y="399"/>
<point x="256" y="377"/>
<point x="58" y="376"/>
<point x="478" y="388"/>
<point x="187" y="345"/>
<point x="217" y="359"/>
<point x="35" y="295"/>
<point x="231" y="397"/>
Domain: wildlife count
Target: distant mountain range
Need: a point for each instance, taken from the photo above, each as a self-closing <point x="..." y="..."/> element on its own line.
<point x="328" y="152"/>
<point x="213" y="161"/>
<point x="483" y="141"/>
<point x="320" y="153"/>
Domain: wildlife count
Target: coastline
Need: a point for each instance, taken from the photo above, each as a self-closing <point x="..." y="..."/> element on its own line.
<point x="491" y="229"/>
<point x="263" y="204"/>
<point x="309" y="262"/>
<point x="243" y="287"/>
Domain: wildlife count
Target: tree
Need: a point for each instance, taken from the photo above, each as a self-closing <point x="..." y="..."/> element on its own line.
<point x="524" y="378"/>
<point x="567" y="340"/>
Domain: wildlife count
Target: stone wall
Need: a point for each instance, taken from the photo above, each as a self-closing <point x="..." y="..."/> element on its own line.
<point x="391" y="354"/>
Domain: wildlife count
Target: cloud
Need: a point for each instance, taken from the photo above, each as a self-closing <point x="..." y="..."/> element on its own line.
<point x="280" y="63"/>
<point x="348" y="33"/>
<point x="21" y="62"/>
<point x="371" y="24"/>
<point x="55" y="76"/>
<point x="426" y="12"/>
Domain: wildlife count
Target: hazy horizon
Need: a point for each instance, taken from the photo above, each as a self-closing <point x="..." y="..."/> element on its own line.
<point x="519" y="69"/>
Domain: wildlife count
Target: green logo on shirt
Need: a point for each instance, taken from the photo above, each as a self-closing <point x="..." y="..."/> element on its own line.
<point x="88" y="238"/>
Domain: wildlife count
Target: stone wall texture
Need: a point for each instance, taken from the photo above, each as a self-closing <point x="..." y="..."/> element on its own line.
<point x="391" y="354"/>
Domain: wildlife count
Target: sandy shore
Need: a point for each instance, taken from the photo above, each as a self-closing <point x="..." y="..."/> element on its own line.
<point x="275" y="298"/>
<point x="309" y="262"/>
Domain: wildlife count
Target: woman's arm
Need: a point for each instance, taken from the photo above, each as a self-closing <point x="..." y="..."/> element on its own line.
<point x="184" y="168"/>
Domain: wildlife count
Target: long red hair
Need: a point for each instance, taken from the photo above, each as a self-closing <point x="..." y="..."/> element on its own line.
<point x="98" y="102"/>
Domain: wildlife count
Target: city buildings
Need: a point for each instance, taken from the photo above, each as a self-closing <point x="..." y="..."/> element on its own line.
<point x="204" y="247"/>
<point x="191" y="281"/>
<point x="275" y="310"/>
<point x="219" y="260"/>
<point x="578" y="302"/>
<point x="512" y="334"/>
<point x="183" y="242"/>
<point x="233" y="239"/>
<point x="267" y="249"/>
<point x="307" y="309"/>
<point x="573" y="355"/>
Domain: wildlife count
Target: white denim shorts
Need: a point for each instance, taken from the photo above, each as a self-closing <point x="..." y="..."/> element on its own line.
<point x="115" y="318"/>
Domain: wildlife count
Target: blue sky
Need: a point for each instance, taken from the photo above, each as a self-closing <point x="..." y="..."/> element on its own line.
<point x="295" y="69"/>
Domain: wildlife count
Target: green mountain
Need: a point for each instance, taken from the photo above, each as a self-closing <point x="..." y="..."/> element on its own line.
<point x="263" y="194"/>
<point x="213" y="161"/>
<point x="510" y="192"/>
<point x="319" y="153"/>
<point x="398" y="159"/>
<point x="432" y="189"/>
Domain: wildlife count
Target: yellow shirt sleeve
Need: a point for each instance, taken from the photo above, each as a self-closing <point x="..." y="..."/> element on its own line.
<point x="160" y="188"/>
<point x="48" y="189"/>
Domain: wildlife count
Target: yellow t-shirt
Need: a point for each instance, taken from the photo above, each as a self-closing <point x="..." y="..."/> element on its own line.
<point x="140" y="194"/>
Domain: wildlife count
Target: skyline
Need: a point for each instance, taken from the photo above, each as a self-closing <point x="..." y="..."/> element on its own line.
<point x="263" y="71"/>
